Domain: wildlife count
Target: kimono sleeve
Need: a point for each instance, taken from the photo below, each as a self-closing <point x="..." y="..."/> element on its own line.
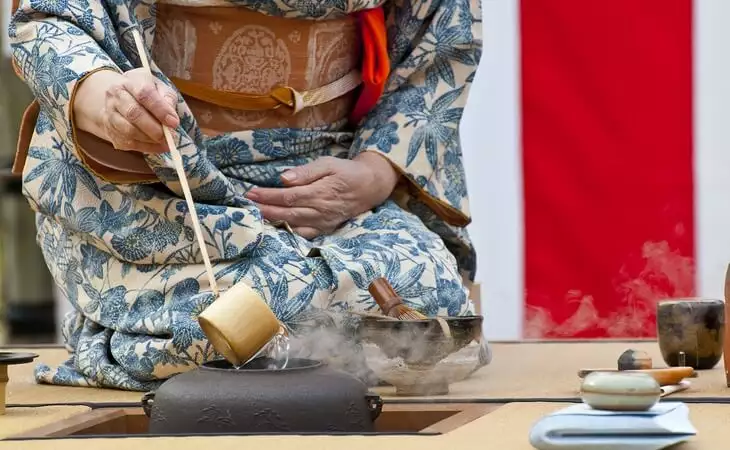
<point x="434" y="47"/>
<point x="55" y="45"/>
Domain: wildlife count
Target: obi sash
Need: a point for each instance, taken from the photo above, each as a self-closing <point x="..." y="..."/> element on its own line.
<point x="239" y="70"/>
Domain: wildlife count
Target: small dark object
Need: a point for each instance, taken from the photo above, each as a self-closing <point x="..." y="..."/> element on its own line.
<point x="390" y="302"/>
<point x="695" y="327"/>
<point x="634" y="360"/>
<point x="11" y="359"/>
<point x="306" y="397"/>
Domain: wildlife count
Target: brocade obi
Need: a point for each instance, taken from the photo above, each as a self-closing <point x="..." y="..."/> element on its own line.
<point x="239" y="69"/>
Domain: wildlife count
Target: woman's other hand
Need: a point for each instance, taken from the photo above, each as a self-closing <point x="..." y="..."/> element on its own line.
<point x="127" y="110"/>
<point x="325" y="193"/>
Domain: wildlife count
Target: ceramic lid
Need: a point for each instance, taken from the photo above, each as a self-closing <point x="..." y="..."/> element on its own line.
<point x="620" y="383"/>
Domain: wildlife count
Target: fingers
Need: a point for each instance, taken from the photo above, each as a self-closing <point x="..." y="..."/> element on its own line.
<point x="153" y="98"/>
<point x="125" y="136"/>
<point x="132" y="120"/>
<point x="308" y="232"/>
<point x="136" y="108"/>
<point x="311" y="172"/>
<point x="168" y="94"/>
<point x="295" y="217"/>
<point x="289" y="197"/>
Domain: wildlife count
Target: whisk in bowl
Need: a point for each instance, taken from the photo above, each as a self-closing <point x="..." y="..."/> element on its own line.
<point x="390" y="302"/>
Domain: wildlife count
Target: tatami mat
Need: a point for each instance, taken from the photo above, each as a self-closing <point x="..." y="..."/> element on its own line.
<point x="518" y="370"/>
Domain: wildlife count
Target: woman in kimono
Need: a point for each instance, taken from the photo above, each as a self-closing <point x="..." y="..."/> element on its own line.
<point x="337" y="118"/>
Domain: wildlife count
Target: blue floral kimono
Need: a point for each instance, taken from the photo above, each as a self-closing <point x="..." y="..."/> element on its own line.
<point x="124" y="254"/>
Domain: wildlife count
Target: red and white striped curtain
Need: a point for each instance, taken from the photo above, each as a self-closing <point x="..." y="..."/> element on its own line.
<point x="597" y="140"/>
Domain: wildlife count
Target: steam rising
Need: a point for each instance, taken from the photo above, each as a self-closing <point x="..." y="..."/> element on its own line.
<point x="333" y="346"/>
<point x="385" y="360"/>
<point x="666" y="274"/>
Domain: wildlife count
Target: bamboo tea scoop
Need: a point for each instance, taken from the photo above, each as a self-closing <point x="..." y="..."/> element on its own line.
<point x="665" y="377"/>
<point x="239" y="323"/>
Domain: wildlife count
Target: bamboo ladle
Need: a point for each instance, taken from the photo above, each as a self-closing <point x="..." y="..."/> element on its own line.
<point x="239" y="323"/>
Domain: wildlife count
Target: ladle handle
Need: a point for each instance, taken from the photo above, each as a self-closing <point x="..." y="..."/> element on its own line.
<point x="180" y="169"/>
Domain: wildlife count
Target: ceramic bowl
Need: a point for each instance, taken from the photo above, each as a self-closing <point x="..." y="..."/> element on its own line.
<point x="693" y="326"/>
<point x="419" y="343"/>
<point x="434" y="380"/>
<point x="417" y="357"/>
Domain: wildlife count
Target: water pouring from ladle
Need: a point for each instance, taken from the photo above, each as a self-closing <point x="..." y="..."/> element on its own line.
<point x="240" y="326"/>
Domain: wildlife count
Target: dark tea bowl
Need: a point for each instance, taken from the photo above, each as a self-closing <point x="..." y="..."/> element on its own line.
<point x="420" y="342"/>
<point x="417" y="357"/>
<point x="693" y="326"/>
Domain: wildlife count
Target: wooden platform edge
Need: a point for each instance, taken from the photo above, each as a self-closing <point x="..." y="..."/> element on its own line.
<point x="468" y="415"/>
<point x="72" y="424"/>
<point x="107" y="417"/>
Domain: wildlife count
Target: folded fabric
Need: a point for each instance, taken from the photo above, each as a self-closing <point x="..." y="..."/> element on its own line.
<point x="375" y="61"/>
<point x="580" y="426"/>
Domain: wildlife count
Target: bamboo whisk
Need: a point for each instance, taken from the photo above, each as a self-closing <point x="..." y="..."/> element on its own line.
<point x="390" y="302"/>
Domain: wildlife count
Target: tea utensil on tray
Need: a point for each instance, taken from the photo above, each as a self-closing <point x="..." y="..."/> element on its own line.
<point x="620" y="391"/>
<point x="666" y="376"/>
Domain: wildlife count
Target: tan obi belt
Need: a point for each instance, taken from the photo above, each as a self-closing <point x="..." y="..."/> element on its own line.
<point x="238" y="69"/>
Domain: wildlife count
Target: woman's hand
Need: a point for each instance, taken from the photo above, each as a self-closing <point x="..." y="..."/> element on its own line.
<point x="127" y="109"/>
<point x="325" y="193"/>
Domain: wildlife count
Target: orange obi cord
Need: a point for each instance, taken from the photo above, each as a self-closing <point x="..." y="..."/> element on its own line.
<point x="375" y="61"/>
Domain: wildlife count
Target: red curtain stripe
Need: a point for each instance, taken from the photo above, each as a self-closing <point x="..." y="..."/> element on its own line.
<point x="607" y="160"/>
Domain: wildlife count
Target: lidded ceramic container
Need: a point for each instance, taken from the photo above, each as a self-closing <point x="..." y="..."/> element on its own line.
<point x="620" y="391"/>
